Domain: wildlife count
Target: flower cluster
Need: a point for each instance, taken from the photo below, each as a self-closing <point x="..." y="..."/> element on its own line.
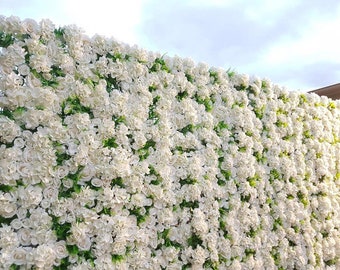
<point x="112" y="157"/>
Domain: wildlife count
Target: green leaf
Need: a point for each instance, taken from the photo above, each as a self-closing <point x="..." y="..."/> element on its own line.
<point x="250" y="252"/>
<point x="112" y="83"/>
<point x="110" y="143"/>
<point x="152" y="114"/>
<point x="5" y="188"/>
<point x="64" y="263"/>
<point x="254" y="180"/>
<point x="61" y="157"/>
<point x="159" y="64"/>
<point x="6" y="221"/>
<point x="214" y="77"/>
<point x="189" y="204"/>
<point x="186" y="129"/>
<point x="117" y="182"/>
<point x="207" y="102"/>
<point x="14" y="267"/>
<point x="62" y="231"/>
<point x="188" y="181"/>
<point x="226" y="174"/>
<point x="181" y="95"/>
<point x="259" y="111"/>
<point x="57" y="71"/>
<point x="6" y="40"/>
<point x="72" y="105"/>
<point x="152" y="88"/>
<point x="144" y="151"/>
<point x="194" y="240"/>
<point x="118" y="119"/>
<point x="158" y="179"/>
<point x="117" y="258"/>
<point x="137" y="213"/>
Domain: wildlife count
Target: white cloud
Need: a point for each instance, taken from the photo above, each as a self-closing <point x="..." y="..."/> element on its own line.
<point x="110" y="18"/>
<point x="116" y="18"/>
<point x="319" y="42"/>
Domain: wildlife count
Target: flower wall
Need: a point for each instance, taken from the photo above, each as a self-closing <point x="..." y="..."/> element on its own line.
<point x="112" y="157"/>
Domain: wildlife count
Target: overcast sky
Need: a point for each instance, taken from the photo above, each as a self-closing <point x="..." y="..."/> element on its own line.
<point x="294" y="43"/>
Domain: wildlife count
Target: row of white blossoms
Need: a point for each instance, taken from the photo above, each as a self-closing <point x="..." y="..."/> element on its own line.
<point x="112" y="157"/>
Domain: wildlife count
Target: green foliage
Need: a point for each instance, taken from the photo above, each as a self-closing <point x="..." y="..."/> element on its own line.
<point x="332" y="261"/>
<point x="86" y="254"/>
<point x="303" y="99"/>
<point x="186" y="266"/>
<point x="275" y="255"/>
<point x="306" y="134"/>
<point x="245" y="197"/>
<point x="44" y="82"/>
<point x="152" y="88"/>
<point x="13" y="114"/>
<point x="207" y="102"/>
<point x="59" y="33"/>
<point x="250" y="252"/>
<point x="110" y="143"/>
<point x="274" y="174"/>
<point x="144" y="151"/>
<point x="181" y="95"/>
<point x="277" y="223"/>
<point x="188" y="128"/>
<point x="136" y="211"/>
<point x="226" y="174"/>
<point x="72" y="105"/>
<point x="64" y="263"/>
<point x="14" y="267"/>
<point x="117" y="57"/>
<point x="117" y="258"/>
<point x="254" y="180"/>
<point x="188" y="181"/>
<point x="280" y="123"/>
<point x="62" y="231"/>
<point x="5" y="188"/>
<point x="284" y="98"/>
<point x="194" y="240"/>
<point x="210" y="265"/>
<point x="214" y="77"/>
<point x="118" y="119"/>
<point x="240" y="87"/>
<point x="6" y="40"/>
<point x="167" y="242"/>
<point x="219" y="127"/>
<point x="159" y="64"/>
<point x="259" y="111"/>
<point x="61" y="157"/>
<point x="231" y="73"/>
<point x="117" y="182"/>
<point x="111" y="84"/>
<point x="6" y="221"/>
<point x="331" y="105"/>
<point x="76" y="188"/>
<point x="302" y="198"/>
<point x="189" y="77"/>
<point x="242" y="149"/>
<point x="158" y="179"/>
<point x="152" y="110"/>
<point x="223" y="211"/>
<point x="260" y="157"/>
<point x="191" y="205"/>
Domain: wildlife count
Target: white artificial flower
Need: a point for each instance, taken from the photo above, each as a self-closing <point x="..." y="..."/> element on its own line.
<point x="8" y="207"/>
<point x="29" y="196"/>
<point x="44" y="256"/>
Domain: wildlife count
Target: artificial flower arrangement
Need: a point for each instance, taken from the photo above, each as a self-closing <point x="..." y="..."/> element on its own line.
<point x="112" y="157"/>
